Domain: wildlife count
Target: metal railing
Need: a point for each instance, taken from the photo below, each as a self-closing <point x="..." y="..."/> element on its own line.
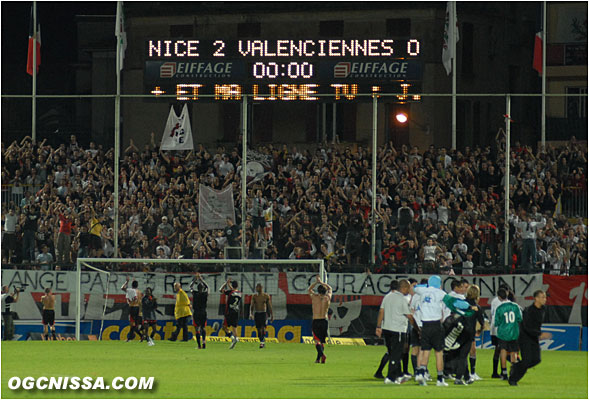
<point x="15" y="193"/>
<point x="418" y="268"/>
<point x="574" y="201"/>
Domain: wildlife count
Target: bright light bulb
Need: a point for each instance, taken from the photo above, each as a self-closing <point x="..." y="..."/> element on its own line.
<point x="401" y="117"/>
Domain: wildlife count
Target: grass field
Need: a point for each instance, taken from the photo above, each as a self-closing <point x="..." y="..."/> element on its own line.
<point x="278" y="371"/>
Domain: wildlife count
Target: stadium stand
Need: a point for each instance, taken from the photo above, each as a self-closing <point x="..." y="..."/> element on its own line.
<point x="320" y="198"/>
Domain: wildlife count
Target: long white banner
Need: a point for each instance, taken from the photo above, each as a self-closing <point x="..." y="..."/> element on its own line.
<point x="285" y="287"/>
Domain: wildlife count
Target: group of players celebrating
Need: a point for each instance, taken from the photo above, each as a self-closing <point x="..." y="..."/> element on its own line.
<point x="414" y="319"/>
<point x="424" y="317"/>
<point x="142" y="310"/>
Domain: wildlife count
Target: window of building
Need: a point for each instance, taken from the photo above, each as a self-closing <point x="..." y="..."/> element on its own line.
<point x="398" y="27"/>
<point x="249" y="29"/>
<point x="181" y="31"/>
<point x="576" y="106"/>
<point x="331" y="28"/>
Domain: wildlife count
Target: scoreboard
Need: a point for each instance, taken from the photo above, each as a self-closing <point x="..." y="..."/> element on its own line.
<point x="283" y="69"/>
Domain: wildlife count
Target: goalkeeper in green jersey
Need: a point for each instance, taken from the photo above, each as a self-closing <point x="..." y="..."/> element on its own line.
<point x="507" y="319"/>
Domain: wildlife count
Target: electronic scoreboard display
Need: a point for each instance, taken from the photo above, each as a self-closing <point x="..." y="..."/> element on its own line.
<point x="283" y="69"/>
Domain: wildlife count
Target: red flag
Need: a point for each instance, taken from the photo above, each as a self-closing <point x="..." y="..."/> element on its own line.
<point x="31" y="45"/>
<point x="537" y="64"/>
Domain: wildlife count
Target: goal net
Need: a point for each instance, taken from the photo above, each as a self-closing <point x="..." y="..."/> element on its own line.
<point x="95" y="311"/>
<point x="99" y="281"/>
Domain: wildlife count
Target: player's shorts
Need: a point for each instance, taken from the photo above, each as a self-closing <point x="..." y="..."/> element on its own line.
<point x="48" y="317"/>
<point x="414" y="339"/>
<point x="259" y="222"/>
<point x="149" y="321"/>
<point x="260" y="319"/>
<point x="432" y="336"/>
<point x="494" y="340"/>
<point x="95" y="242"/>
<point x="511" y="346"/>
<point x="319" y="329"/>
<point x="134" y="315"/>
<point x="231" y="318"/>
<point x="199" y="320"/>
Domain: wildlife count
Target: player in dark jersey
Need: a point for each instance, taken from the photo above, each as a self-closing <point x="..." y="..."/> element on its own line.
<point x="199" y="307"/>
<point x="232" y="305"/>
<point x="149" y="308"/>
<point x="529" y="338"/>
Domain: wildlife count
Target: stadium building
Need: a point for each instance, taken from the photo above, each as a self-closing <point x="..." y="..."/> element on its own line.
<point x="494" y="55"/>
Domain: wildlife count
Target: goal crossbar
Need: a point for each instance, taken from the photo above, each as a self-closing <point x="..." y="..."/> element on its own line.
<point x="86" y="262"/>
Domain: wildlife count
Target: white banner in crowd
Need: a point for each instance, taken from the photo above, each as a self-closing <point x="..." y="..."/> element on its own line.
<point x="214" y="207"/>
<point x="178" y="132"/>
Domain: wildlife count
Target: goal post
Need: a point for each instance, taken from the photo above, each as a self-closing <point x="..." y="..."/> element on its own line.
<point x="213" y="266"/>
<point x="79" y="297"/>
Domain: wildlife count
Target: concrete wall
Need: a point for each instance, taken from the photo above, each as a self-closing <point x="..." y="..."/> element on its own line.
<point x="557" y="80"/>
<point x="500" y="42"/>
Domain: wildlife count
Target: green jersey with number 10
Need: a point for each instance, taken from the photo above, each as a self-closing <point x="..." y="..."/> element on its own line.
<point x="507" y="318"/>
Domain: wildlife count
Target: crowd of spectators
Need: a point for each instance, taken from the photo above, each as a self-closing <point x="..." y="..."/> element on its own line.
<point x="437" y="210"/>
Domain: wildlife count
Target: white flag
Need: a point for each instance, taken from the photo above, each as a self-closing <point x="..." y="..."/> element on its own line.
<point x="450" y="31"/>
<point x="120" y="33"/>
<point x="214" y="207"/>
<point x="178" y="133"/>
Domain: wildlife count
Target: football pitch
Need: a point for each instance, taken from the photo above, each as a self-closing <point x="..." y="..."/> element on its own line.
<point x="277" y="371"/>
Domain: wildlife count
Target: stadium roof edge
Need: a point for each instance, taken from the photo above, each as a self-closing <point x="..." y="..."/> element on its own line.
<point x="133" y="9"/>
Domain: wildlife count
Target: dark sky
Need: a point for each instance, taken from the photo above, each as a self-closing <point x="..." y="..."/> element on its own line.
<point x="58" y="30"/>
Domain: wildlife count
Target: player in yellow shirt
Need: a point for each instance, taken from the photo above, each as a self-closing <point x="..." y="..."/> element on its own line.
<point x="181" y="312"/>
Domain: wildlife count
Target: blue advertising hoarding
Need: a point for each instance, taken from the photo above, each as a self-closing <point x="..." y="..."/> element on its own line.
<point x="290" y="331"/>
<point x="564" y="337"/>
<point x="23" y="328"/>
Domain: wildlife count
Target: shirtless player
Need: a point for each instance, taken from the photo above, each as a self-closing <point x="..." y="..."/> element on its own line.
<point x="260" y="302"/>
<point x="48" y="313"/>
<point x="320" y="301"/>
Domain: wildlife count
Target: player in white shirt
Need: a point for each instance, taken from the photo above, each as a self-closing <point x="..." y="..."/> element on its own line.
<point x="133" y="296"/>
<point x="414" y="338"/>
<point x="393" y="321"/>
<point x="431" y="305"/>
<point x="385" y="358"/>
<point x="405" y="358"/>
<point x="432" y="332"/>
<point x="496" y="302"/>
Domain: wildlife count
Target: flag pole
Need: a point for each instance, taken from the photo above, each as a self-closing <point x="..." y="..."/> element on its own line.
<point x="453" y="52"/>
<point x="117" y="131"/>
<point x="34" y="102"/>
<point x="543" y="74"/>
<point x="507" y="174"/>
<point x="243" y="174"/>
<point x="374" y="164"/>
